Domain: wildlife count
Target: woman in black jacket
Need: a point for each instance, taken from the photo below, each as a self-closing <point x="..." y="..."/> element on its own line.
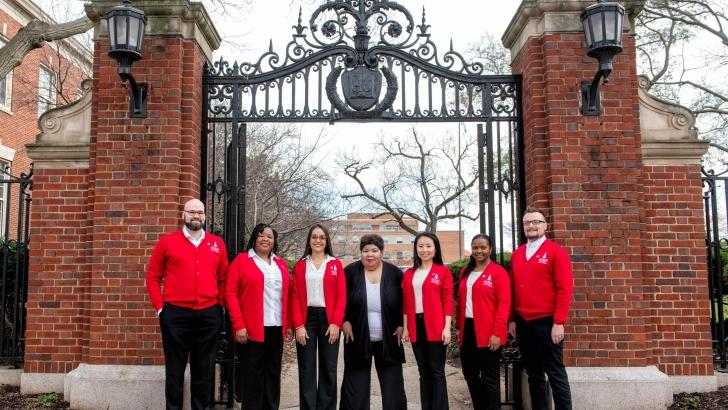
<point x="373" y="329"/>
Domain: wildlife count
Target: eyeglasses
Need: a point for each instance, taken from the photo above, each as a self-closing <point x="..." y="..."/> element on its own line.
<point x="198" y="213"/>
<point x="533" y="223"/>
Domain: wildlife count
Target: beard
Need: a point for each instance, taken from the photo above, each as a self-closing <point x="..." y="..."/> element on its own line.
<point x="193" y="225"/>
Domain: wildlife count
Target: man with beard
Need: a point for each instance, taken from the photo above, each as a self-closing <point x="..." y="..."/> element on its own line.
<point x="186" y="285"/>
<point x="542" y="284"/>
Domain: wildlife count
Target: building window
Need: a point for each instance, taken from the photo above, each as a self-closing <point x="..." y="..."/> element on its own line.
<point x="46" y="90"/>
<point x="389" y="228"/>
<point x="341" y="239"/>
<point x="6" y="87"/>
<point x="400" y="240"/>
<point x="354" y="239"/>
<point x="361" y="228"/>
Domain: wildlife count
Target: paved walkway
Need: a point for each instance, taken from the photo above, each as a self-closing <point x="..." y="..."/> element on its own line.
<point x="456" y="387"/>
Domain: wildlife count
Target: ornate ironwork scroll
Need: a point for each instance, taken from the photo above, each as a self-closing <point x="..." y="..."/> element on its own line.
<point x="359" y="60"/>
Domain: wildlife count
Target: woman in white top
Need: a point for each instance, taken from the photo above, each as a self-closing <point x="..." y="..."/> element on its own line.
<point x="318" y="299"/>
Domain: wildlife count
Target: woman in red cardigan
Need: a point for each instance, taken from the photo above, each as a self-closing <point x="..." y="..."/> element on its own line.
<point x="318" y="300"/>
<point x="484" y="302"/>
<point x="256" y="293"/>
<point x="428" y="306"/>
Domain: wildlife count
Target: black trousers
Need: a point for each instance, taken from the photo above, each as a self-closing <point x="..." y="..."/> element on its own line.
<point x="261" y="367"/>
<point x="189" y="333"/>
<point x="541" y="356"/>
<point x="430" y="357"/>
<point x="323" y="397"/>
<point x="481" y="369"/>
<point x="355" y="388"/>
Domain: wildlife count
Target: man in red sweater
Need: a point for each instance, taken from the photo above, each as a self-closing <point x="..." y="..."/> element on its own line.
<point x="542" y="284"/>
<point x="186" y="285"/>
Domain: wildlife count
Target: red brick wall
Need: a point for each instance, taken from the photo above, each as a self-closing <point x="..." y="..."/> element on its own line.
<point x="58" y="280"/>
<point x="675" y="274"/>
<point x="587" y="173"/>
<point x="141" y="171"/>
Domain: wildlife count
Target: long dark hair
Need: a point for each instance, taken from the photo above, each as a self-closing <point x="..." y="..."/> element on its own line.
<point x="438" y="253"/>
<point x="327" y="248"/>
<point x="471" y="263"/>
<point x="257" y="231"/>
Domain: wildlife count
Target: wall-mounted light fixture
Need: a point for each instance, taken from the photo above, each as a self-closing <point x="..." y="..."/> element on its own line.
<point x="603" y="24"/>
<point x="126" y="33"/>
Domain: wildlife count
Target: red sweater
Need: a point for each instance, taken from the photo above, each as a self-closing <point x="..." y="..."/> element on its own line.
<point x="194" y="277"/>
<point x="542" y="286"/>
<point x="244" y="295"/>
<point x="491" y="296"/>
<point x="334" y="293"/>
<point x="437" y="301"/>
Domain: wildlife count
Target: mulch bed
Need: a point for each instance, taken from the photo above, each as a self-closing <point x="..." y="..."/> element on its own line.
<point x="712" y="400"/>
<point x="11" y="398"/>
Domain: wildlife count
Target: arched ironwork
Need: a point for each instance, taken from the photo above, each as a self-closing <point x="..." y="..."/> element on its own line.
<point x="361" y="61"/>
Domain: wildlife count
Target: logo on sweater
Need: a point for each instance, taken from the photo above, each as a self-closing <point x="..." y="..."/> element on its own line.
<point x="333" y="271"/>
<point x="544" y="259"/>
<point x="214" y="247"/>
<point x="488" y="282"/>
<point x="436" y="279"/>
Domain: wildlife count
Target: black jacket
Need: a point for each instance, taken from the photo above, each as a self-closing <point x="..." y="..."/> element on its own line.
<point x="357" y="353"/>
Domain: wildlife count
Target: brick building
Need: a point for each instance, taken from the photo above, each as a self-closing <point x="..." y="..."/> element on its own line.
<point x="49" y="76"/>
<point x="346" y="232"/>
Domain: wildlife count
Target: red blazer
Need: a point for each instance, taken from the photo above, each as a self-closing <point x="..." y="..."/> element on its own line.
<point x="334" y="293"/>
<point x="543" y="285"/>
<point x="244" y="295"/>
<point x="491" y="295"/>
<point x="437" y="301"/>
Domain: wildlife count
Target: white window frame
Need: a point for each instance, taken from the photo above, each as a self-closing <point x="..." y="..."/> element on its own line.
<point x="51" y="100"/>
<point x="7" y="105"/>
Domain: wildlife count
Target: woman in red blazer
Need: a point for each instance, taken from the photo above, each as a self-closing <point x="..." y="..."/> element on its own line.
<point x="484" y="302"/>
<point x="428" y="306"/>
<point x="256" y="293"/>
<point x="318" y="300"/>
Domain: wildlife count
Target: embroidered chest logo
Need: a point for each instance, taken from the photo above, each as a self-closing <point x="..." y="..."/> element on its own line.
<point x="436" y="279"/>
<point x="488" y="282"/>
<point x="334" y="272"/>
<point x="214" y="247"/>
<point x="543" y="259"/>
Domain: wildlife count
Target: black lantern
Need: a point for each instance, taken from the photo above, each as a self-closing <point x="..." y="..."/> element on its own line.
<point x="126" y="33"/>
<point x="603" y="30"/>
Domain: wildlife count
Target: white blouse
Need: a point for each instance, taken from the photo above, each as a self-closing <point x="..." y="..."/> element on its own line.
<point x="417" y="281"/>
<point x="315" y="282"/>
<point x="272" y="290"/>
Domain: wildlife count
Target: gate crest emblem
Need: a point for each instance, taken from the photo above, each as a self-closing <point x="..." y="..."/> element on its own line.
<point x="362" y="87"/>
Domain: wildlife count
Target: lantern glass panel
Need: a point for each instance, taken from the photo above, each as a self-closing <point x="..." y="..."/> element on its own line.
<point x="597" y="27"/>
<point x="112" y="31"/>
<point x="134" y="33"/>
<point x="620" y="21"/>
<point x="610" y="16"/>
<point x="121" y="37"/>
<point x="587" y="32"/>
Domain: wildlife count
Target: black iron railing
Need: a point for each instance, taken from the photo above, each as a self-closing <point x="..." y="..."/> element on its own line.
<point x="14" y="246"/>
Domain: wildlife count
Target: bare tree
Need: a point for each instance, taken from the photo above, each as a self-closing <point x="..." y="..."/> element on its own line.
<point x="490" y="52"/>
<point x="683" y="50"/>
<point x="37" y="33"/>
<point x="415" y="180"/>
<point x="285" y="186"/>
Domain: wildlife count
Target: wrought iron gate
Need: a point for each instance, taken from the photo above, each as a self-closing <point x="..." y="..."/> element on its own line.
<point x="715" y="201"/>
<point x="15" y="205"/>
<point x="360" y="61"/>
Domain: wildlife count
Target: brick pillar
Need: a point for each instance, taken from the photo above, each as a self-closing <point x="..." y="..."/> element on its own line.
<point x="139" y="173"/>
<point x="589" y="175"/>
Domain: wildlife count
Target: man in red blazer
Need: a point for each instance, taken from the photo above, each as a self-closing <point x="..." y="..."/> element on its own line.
<point x="542" y="285"/>
<point x="186" y="284"/>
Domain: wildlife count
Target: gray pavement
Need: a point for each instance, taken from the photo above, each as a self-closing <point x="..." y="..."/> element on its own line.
<point x="456" y="387"/>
